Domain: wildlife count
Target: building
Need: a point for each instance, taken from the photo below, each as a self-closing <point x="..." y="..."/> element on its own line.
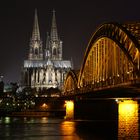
<point x="45" y="67"/>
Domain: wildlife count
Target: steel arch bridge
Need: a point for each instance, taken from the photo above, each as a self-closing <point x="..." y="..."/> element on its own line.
<point x="71" y="82"/>
<point x="112" y="57"/>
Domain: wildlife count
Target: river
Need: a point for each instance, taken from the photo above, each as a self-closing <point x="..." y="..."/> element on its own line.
<point x="43" y="128"/>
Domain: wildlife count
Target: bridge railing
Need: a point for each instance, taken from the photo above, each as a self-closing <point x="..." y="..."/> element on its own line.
<point x="100" y="86"/>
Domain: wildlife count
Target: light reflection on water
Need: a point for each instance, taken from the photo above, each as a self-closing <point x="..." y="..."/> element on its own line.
<point x="68" y="130"/>
<point x="43" y="128"/>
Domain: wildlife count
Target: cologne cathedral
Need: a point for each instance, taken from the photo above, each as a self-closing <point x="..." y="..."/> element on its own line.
<point x="45" y="67"/>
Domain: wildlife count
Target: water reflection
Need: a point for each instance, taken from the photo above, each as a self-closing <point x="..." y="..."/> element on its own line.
<point x="68" y="130"/>
<point x="44" y="120"/>
<point x="43" y="128"/>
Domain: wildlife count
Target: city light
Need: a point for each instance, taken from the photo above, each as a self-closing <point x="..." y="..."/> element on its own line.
<point x="7" y="120"/>
<point x="44" y="106"/>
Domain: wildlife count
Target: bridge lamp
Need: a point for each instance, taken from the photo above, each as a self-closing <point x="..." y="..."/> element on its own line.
<point x="118" y="100"/>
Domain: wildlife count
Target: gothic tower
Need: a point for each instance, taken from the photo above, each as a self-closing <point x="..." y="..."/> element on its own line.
<point x="36" y="52"/>
<point x="55" y="42"/>
<point x="45" y="68"/>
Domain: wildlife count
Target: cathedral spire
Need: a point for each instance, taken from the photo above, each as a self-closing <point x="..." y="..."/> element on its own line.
<point x="54" y="35"/>
<point x="55" y="42"/>
<point x="36" y="33"/>
<point x="36" y="52"/>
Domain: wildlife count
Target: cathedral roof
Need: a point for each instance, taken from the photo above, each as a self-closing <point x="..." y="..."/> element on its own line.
<point x="45" y="63"/>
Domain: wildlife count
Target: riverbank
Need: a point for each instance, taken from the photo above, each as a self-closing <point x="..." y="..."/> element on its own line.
<point x="57" y="113"/>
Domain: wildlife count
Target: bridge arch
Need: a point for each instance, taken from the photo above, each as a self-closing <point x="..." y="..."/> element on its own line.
<point x="71" y="81"/>
<point x="112" y="56"/>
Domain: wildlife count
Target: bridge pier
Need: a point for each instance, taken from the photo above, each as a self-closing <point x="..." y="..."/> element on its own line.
<point x="128" y="124"/>
<point x="69" y="110"/>
<point x="124" y="113"/>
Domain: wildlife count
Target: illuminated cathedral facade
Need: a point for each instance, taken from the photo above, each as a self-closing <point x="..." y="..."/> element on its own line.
<point x="45" y="68"/>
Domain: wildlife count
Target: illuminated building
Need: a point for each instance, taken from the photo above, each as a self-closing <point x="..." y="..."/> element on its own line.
<point x="45" y="68"/>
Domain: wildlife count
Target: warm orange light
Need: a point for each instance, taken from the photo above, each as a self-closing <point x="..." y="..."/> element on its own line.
<point x="70" y="104"/>
<point x="44" y="105"/>
<point x="69" y="109"/>
<point x="128" y="120"/>
<point x="128" y="106"/>
<point x="44" y="120"/>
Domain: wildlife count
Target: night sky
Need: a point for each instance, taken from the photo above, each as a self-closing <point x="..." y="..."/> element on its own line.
<point x="76" y="22"/>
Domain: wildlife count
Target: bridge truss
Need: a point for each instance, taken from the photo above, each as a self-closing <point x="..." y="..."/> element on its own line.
<point x="112" y="57"/>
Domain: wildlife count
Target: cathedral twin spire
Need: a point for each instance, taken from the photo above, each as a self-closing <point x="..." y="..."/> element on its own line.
<point x="36" y="33"/>
<point x="53" y="44"/>
<point x="36" y="51"/>
<point x="54" y="35"/>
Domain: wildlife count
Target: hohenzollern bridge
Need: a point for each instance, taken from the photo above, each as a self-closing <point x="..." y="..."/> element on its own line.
<point x="110" y="73"/>
<point x="111" y="61"/>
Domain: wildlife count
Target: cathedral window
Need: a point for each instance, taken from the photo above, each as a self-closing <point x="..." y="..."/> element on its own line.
<point x="54" y="51"/>
<point x="36" y="51"/>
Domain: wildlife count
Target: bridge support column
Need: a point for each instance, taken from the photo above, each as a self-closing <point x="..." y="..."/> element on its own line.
<point x="69" y="109"/>
<point x="128" y="119"/>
